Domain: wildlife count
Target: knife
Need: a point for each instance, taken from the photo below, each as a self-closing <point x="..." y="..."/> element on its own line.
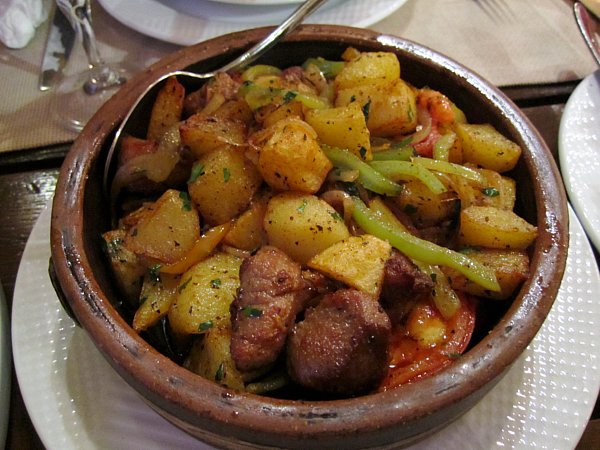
<point x="59" y="44"/>
<point x="588" y="29"/>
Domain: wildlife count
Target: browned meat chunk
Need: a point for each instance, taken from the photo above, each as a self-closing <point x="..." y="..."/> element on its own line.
<point x="403" y="284"/>
<point x="225" y="84"/>
<point x="341" y="346"/>
<point x="272" y="292"/>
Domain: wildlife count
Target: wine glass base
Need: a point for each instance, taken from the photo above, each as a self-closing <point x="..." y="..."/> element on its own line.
<point x="74" y="106"/>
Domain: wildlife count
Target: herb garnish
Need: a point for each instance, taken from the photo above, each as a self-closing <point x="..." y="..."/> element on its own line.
<point x="302" y="207"/>
<point x="251" y="311"/>
<point x="490" y="192"/>
<point x="205" y="326"/>
<point x="197" y="171"/>
<point x="183" y="285"/>
<point x="187" y="202"/>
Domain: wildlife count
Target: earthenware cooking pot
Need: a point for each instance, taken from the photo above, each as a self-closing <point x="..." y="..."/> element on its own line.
<point x="226" y="418"/>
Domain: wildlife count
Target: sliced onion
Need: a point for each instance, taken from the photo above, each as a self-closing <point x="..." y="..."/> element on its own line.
<point x="425" y="123"/>
<point x="341" y="201"/>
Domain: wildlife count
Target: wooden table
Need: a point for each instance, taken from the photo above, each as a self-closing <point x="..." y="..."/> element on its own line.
<point x="28" y="179"/>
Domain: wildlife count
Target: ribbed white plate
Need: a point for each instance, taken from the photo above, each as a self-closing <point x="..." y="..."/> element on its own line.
<point x="579" y="153"/>
<point x="186" y="22"/>
<point x="5" y="367"/>
<point x="76" y="400"/>
<point x="257" y="2"/>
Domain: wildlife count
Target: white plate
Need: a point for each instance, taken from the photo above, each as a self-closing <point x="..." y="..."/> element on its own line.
<point x="76" y="400"/>
<point x="5" y="367"/>
<point x="186" y="22"/>
<point x="579" y="153"/>
<point x="258" y="2"/>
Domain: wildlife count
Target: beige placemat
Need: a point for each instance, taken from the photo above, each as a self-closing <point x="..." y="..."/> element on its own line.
<point x="508" y="42"/>
<point x="521" y="42"/>
<point x="26" y="118"/>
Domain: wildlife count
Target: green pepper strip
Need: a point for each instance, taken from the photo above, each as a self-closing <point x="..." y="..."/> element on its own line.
<point x="405" y="170"/>
<point x="422" y="250"/>
<point x="395" y="154"/>
<point x="441" y="149"/>
<point x="259" y="70"/>
<point x="450" y="168"/>
<point x="370" y="178"/>
<point x="328" y="68"/>
<point x="258" y="96"/>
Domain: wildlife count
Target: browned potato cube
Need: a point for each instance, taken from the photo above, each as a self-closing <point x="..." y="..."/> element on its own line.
<point x="302" y="225"/>
<point x="247" y="232"/>
<point x="167" y="108"/>
<point x="157" y="295"/>
<point x="292" y="159"/>
<point x="225" y="185"/>
<point x="166" y="230"/>
<point x="485" y="146"/>
<point x="203" y="134"/>
<point x="204" y="294"/>
<point x="126" y="266"/>
<point x="210" y="358"/>
<point x="270" y="115"/>
<point x="342" y="127"/>
<point x="368" y="68"/>
<point x="424" y="207"/>
<point x="511" y="268"/>
<point x="391" y="107"/>
<point x="486" y="226"/>
<point x="358" y="261"/>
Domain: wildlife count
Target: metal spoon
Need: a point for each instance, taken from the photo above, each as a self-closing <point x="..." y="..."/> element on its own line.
<point x="588" y="28"/>
<point x="246" y="58"/>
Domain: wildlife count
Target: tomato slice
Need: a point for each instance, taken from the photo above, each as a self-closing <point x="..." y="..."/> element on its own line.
<point x="411" y="360"/>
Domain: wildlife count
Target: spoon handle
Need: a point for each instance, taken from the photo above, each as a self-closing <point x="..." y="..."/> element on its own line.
<point x="288" y="25"/>
<point x="587" y="28"/>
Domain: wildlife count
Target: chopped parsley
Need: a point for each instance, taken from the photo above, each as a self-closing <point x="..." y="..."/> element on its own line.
<point x="336" y="216"/>
<point x="183" y="285"/>
<point x="366" y="109"/>
<point x="490" y="192"/>
<point x="226" y="174"/>
<point x="363" y="152"/>
<point x="220" y="373"/>
<point x="187" y="202"/>
<point x="154" y="273"/>
<point x="113" y="246"/>
<point x="251" y="311"/>
<point x="216" y="283"/>
<point x="467" y="250"/>
<point x="289" y="96"/>
<point x="302" y="207"/>
<point x="197" y="171"/>
<point x="205" y="326"/>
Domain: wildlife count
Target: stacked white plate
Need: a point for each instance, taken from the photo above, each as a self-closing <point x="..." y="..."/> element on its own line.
<point x="186" y="22"/>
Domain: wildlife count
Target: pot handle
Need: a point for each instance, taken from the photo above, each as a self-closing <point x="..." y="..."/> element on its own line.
<point x="59" y="292"/>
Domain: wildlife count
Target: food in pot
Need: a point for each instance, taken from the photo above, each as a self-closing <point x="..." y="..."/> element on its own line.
<point x="328" y="228"/>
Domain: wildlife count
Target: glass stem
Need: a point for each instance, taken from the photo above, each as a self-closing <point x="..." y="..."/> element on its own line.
<point x="102" y="76"/>
<point x="79" y="13"/>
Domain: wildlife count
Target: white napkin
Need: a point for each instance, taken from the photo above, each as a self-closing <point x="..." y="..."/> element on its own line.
<point x="18" y="21"/>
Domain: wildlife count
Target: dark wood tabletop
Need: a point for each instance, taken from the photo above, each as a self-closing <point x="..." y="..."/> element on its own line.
<point x="28" y="179"/>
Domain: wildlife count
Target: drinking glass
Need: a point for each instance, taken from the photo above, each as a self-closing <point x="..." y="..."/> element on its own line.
<point x="80" y="95"/>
